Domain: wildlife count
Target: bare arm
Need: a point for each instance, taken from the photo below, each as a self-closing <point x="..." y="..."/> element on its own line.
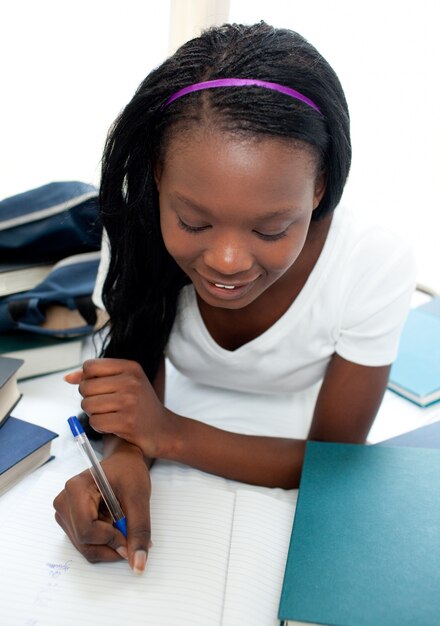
<point x="347" y="404"/>
<point x="119" y="399"/>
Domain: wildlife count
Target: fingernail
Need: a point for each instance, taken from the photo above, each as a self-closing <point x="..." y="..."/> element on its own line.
<point x="139" y="561"/>
<point x="122" y="551"/>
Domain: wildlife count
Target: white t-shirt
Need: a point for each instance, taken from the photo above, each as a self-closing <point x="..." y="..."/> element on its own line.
<point x="354" y="304"/>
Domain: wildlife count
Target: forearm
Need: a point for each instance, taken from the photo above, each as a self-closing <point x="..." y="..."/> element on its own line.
<point x="266" y="461"/>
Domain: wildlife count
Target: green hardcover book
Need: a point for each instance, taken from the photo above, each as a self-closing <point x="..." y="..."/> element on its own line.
<point x="365" y="544"/>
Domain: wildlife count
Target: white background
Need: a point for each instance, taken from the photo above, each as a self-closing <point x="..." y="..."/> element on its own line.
<point x="387" y="56"/>
<point x="67" y="69"/>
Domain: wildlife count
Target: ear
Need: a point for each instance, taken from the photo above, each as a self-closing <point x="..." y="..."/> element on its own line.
<point x="320" y="186"/>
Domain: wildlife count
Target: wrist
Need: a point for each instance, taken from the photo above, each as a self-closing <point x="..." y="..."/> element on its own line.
<point x="114" y="446"/>
<point x="171" y="440"/>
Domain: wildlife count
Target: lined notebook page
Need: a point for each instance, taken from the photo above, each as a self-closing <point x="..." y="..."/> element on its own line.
<point x="257" y="559"/>
<point x="218" y="560"/>
<point x="44" y="581"/>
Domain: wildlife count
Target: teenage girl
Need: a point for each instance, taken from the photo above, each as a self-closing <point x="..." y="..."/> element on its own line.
<point x="230" y="256"/>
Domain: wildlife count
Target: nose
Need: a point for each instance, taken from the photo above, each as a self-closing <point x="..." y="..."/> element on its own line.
<point x="228" y="255"/>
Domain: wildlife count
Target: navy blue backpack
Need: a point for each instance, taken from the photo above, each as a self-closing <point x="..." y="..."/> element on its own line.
<point x="50" y="222"/>
<point x="59" y="221"/>
<point x="61" y="305"/>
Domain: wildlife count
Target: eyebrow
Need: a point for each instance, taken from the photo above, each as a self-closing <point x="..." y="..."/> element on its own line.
<point x="267" y="216"/>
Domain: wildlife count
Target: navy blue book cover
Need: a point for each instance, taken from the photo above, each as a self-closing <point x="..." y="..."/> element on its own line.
<point x="19" y="439"/>
<point x="8" y="367"/>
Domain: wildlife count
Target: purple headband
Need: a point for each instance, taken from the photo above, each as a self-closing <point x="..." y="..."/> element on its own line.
<point x="240" y="82"/>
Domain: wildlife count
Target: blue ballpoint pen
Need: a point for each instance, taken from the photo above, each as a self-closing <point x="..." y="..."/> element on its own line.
<point x="99" y="477"/>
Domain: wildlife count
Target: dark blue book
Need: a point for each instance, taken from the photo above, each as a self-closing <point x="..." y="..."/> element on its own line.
<point x="415" y="374"/>
<point x="23" y="448"/>
<point x="365" y="544"/>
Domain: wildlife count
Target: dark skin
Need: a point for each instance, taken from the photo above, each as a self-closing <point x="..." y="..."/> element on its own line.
<point x="236" y="216"/>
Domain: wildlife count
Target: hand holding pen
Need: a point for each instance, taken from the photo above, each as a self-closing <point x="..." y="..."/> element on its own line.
<point x="78" y="507"/>
<point x="105" y="489"/>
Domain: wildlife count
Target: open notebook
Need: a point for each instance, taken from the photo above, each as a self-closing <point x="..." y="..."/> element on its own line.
<point x="218" y="559"/>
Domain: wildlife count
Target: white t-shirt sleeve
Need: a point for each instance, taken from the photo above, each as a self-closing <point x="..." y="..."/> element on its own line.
<point x="377" y="302"/>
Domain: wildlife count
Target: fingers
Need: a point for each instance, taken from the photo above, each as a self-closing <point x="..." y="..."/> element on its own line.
<point x="100" y="368"/>
<point x="107" y="399"/>
<point x="137" y="511"/>
<point x="77" y="512"/>
<point x="134" y="497"/>
<point x="106" y="423"/>
<point x="125" y="385"/>
<point x="104" y="380"/>
<point x="91" y="544"/>
<point x="74" y="378"/>
<point x="96" y="368"/>
<point x="125" y="426"/>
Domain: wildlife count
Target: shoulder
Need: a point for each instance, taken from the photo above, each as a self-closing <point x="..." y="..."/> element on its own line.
<point x="364" y="244"/>
<point x="373" y="291"/>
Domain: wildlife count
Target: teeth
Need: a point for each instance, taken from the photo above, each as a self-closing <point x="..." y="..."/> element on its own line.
<point x="224" y="286"/>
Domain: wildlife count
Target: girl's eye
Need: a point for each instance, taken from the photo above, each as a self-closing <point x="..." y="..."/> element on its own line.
<point x="273" y="237"/>
<point x="198" y="229"/>
<point x="191" y="229"/>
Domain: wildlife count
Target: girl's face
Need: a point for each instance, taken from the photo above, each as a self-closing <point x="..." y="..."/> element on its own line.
<point x="235" y="211"/>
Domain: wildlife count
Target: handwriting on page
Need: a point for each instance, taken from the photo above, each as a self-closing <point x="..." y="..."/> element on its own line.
<point x="49" y="585"/>
<point x="48" y="582"/>
<point x="214" y="554"/>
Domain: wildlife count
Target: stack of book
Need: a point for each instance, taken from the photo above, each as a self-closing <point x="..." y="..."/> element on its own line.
<point x="9" y="391"/>
<point x="41" y="354"/>
<point x="17" y="277"/>
<point x="23" y="446"/>
<point x="49" y="247"/>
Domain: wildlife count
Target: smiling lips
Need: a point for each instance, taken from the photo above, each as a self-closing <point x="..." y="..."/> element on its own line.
<point x="225" y="286"/>
<point x="239" y="287"/>
<point x="236" y="289"/>
<point x="231" y="287"/>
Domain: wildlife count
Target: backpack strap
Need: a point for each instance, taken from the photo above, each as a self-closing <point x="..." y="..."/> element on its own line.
<point x="87" y="309"/>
